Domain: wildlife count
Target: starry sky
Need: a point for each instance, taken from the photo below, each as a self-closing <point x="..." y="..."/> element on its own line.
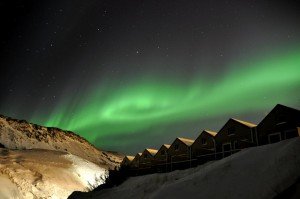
<point x="130" y="74"/>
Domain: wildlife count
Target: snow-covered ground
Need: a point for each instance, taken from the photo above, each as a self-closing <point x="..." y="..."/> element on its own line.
<point x="259" y="172"/>
<point x="46" y="174"/>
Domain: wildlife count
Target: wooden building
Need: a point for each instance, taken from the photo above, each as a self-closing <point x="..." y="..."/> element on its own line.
<point x="204" y="147"/>
<point x="179" y="153"/>
<point x="281" y="123"/>
<point x="233" y="136"/>
<point x="147" y="158"/>
<point x="127" y="161"/>
<point x="160" y="161"/>
<point x="136" y="161"/>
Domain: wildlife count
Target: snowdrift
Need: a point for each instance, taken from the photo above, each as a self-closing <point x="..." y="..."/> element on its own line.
<point x="258" y="172"/>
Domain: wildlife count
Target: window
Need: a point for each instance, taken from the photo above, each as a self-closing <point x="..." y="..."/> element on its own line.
<point x="231" y="131"/>
<point x="163" y="152"/>
<point x="176" y="147"/>
<point x="235" y="145"/>
<point x="290" y="133"/>
<point x="274" y="137"/>
<point x="146" y="156"/>
<point x="226" y="149"/>
<point x="204" y="141"/>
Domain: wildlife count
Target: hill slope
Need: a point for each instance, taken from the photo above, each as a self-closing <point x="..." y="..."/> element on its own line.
<point x="19" y="134"/>
<point x="258" y="172"/>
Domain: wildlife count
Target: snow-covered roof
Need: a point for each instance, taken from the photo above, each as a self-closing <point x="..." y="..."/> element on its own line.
<point x="249" y="124"/>
<point x="212" y="133"/>
<point x="129" y="157"/>
<point x="151" y="151"/>
<point x="186" y="141"/>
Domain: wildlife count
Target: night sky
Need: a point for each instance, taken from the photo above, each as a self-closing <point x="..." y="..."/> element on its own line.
<point x="133" y="74"/>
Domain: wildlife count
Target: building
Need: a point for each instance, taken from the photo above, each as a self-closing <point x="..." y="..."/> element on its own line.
<point x="127" y="161"/>
<point x="136" y="161"/>
<point x="281" y="123"/>
<point x="179" y="153"/>
<point x="234" y="136"/>
<point x="160" y="161"/>
<point x="204" y="147"/>
<point x="147" y="158"/>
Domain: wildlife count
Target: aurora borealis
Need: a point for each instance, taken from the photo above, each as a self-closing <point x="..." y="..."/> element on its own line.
<point x="146" y="102"/>
<point x="128" y="75"/>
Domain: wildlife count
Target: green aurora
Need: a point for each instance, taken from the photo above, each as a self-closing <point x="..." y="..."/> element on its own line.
<point x="248" y="86"/>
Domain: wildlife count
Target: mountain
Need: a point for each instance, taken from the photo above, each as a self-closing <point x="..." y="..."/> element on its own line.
<point x="20" y="134"/>
<point x="269" y="171"/>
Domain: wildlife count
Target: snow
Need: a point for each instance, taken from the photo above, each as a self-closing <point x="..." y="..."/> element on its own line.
<point x="90" y="174"/>
<point x="46" y="174"/>
<point x="258" y="172"/>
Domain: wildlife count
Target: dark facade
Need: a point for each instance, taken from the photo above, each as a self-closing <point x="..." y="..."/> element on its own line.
<point x="147" y="158"/>
<point x="233" y="136"/>
<point x="280" y="124"/>
<point x="203" y="149"/>
<point x="127" y="161"/>
<point x="179" y="153"/>
<point x="160" y="161"/>
<point x="162" y="154"/>
<point x="136" y="161"/>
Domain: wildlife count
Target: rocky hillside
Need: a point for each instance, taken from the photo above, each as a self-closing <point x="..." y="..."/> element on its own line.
<point x="20" y="134"/>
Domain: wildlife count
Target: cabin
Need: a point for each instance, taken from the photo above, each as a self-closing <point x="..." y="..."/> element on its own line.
<point x="179" y="153"/>
<point x="281" y="123"/>
<point x="136" y="161"/>
<point x="234" y="136"/>
<point x="147" y="158"/>
<point x="204" y="147"/>
<point x="127" y="161"/>
<point x="160" y="161"/>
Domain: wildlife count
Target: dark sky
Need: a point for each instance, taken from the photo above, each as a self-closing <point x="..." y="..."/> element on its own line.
<point x="132" y="74"/>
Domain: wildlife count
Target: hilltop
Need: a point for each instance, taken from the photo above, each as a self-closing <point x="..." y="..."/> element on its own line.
<point x="20" y="134"/>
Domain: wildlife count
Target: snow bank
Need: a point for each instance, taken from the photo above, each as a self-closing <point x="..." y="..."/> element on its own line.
<point x="259" y="172"/>
<point x="90" y="174"/>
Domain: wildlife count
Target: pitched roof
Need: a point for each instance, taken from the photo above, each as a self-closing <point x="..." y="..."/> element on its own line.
<point x="136" y="157"/>
<point x="152" y="151"/>
<point x="279" y="107"/>
<point x="164" y="145"/>
<point x="186" y="141"/>
<point x="212" y="133"/>
<point x="129" y="157"/>
<point x="249" y="124"/>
